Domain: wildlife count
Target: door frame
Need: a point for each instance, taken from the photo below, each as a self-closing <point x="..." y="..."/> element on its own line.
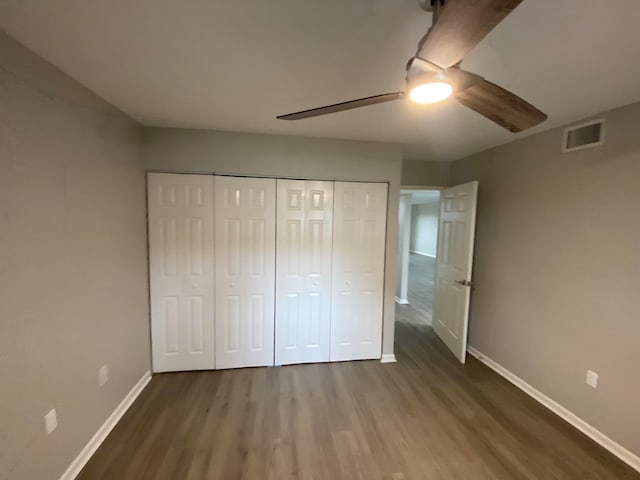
<point x="388" y="328"/>
<point x="403" y="269"/>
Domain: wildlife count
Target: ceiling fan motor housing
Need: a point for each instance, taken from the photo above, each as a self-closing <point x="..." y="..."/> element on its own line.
<point x="428" y="5"/>
<point x="420" y="71"/>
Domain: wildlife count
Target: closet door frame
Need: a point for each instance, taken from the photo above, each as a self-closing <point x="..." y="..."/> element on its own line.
<point x="369" y="352"/>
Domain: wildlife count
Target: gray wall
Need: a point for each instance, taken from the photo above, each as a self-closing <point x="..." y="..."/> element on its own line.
<point x="426" y="173"/>
<point x="556" y="270"/>
<point x="73" y="292"/>
<point x="424" y="228"/>
<point x="179" y="150"/>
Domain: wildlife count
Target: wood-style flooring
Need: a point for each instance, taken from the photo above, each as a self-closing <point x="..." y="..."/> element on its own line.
<point x="425" y="417"/>
<point x="419" y="311"/>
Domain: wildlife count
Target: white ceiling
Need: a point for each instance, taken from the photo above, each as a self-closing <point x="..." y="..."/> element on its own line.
<point x="422" y="196"/>
<point x="236" y="64"/>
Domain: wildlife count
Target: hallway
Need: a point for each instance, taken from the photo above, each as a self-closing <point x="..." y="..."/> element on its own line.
<point x="420" y="291"/>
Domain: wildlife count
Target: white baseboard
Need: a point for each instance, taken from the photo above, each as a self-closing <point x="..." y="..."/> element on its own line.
<point x="422" y="253"/>
<point x="590" y="431"/>
<point x="388" y="358"/>
<point x="99" y="437"/>
<point x="402" y="301"/>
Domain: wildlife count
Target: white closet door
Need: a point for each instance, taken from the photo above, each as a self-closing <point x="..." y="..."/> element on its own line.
<point x="303" y="279"/>
<point x="245" y="271"/>
<point x="360" y="214"/>
<point x="181" y="271"/>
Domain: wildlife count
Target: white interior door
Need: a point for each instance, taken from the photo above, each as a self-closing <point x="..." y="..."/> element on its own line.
<point x="454" y="261"/>
<point x="360" y="215"/>
<point x="181" y="271"/>
<point x="245" y="216"/>
<point x="303" y="272"/>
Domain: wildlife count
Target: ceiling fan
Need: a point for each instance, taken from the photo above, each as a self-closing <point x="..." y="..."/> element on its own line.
<point x="434" y="73"/>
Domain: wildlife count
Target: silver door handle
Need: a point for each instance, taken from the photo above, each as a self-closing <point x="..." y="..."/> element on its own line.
<point x="464" y="283"/>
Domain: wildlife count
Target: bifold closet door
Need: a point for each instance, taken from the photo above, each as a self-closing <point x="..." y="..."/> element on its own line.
<point x="245" y="220"/>
<point x="181" y="271"/>
<point x="360" y="213"/>
<point x="303" y="272"/>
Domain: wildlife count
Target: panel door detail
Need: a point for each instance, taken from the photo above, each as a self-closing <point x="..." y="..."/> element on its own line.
<point x="181" y="271"/>
<point x="360" y="214"/>
<point x="245" y="271"/>
<point x="454" y="261"/>
<point x="303" y="272"/>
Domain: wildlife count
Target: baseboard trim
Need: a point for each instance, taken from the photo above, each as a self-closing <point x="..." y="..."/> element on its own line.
<point x="422" y="253"/>
<point x="402" y="301"/>
<point x="90" y="448"/>
<point x="590" y="431"/>
<point x="388" y="358"/>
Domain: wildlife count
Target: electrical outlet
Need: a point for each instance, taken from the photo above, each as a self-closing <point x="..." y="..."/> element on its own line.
<point x="592" y="379"/>
<point x="51" y="421"/>
<point x="103" y="375"/>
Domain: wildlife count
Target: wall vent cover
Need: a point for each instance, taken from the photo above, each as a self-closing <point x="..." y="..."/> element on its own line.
<point x="585" y="135"/>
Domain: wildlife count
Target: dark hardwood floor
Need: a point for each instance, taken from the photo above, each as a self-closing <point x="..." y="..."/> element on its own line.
<point x="425" y="417"/>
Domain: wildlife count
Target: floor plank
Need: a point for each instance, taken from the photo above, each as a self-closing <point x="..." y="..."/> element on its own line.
<point x="425" y="417"/>
<point x="419" y="292"/>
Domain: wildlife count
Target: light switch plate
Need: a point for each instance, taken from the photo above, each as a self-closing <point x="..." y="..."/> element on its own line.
<point x="103" y="375"/>
<point x="592" y="379"/>
<point x="51" y="421"/>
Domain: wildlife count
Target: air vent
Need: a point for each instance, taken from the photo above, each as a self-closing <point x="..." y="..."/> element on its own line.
<point x="585" y="135"/>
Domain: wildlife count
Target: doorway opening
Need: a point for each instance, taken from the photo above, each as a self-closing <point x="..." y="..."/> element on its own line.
<point x="436" y="292"/>
<point x="417" y="249"/>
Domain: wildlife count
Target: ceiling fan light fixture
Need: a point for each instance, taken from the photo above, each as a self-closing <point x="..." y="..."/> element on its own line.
<point x="434" y="72"/>
<point x="431" y="92"/>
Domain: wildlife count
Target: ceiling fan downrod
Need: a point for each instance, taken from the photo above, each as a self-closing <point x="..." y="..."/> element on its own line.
<point x="433" y="6"/>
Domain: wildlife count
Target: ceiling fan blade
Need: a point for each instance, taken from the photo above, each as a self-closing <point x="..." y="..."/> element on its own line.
<point x="340" y="107"/>
<point x="460" y="26"/>
<point x="501" y="106"/>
